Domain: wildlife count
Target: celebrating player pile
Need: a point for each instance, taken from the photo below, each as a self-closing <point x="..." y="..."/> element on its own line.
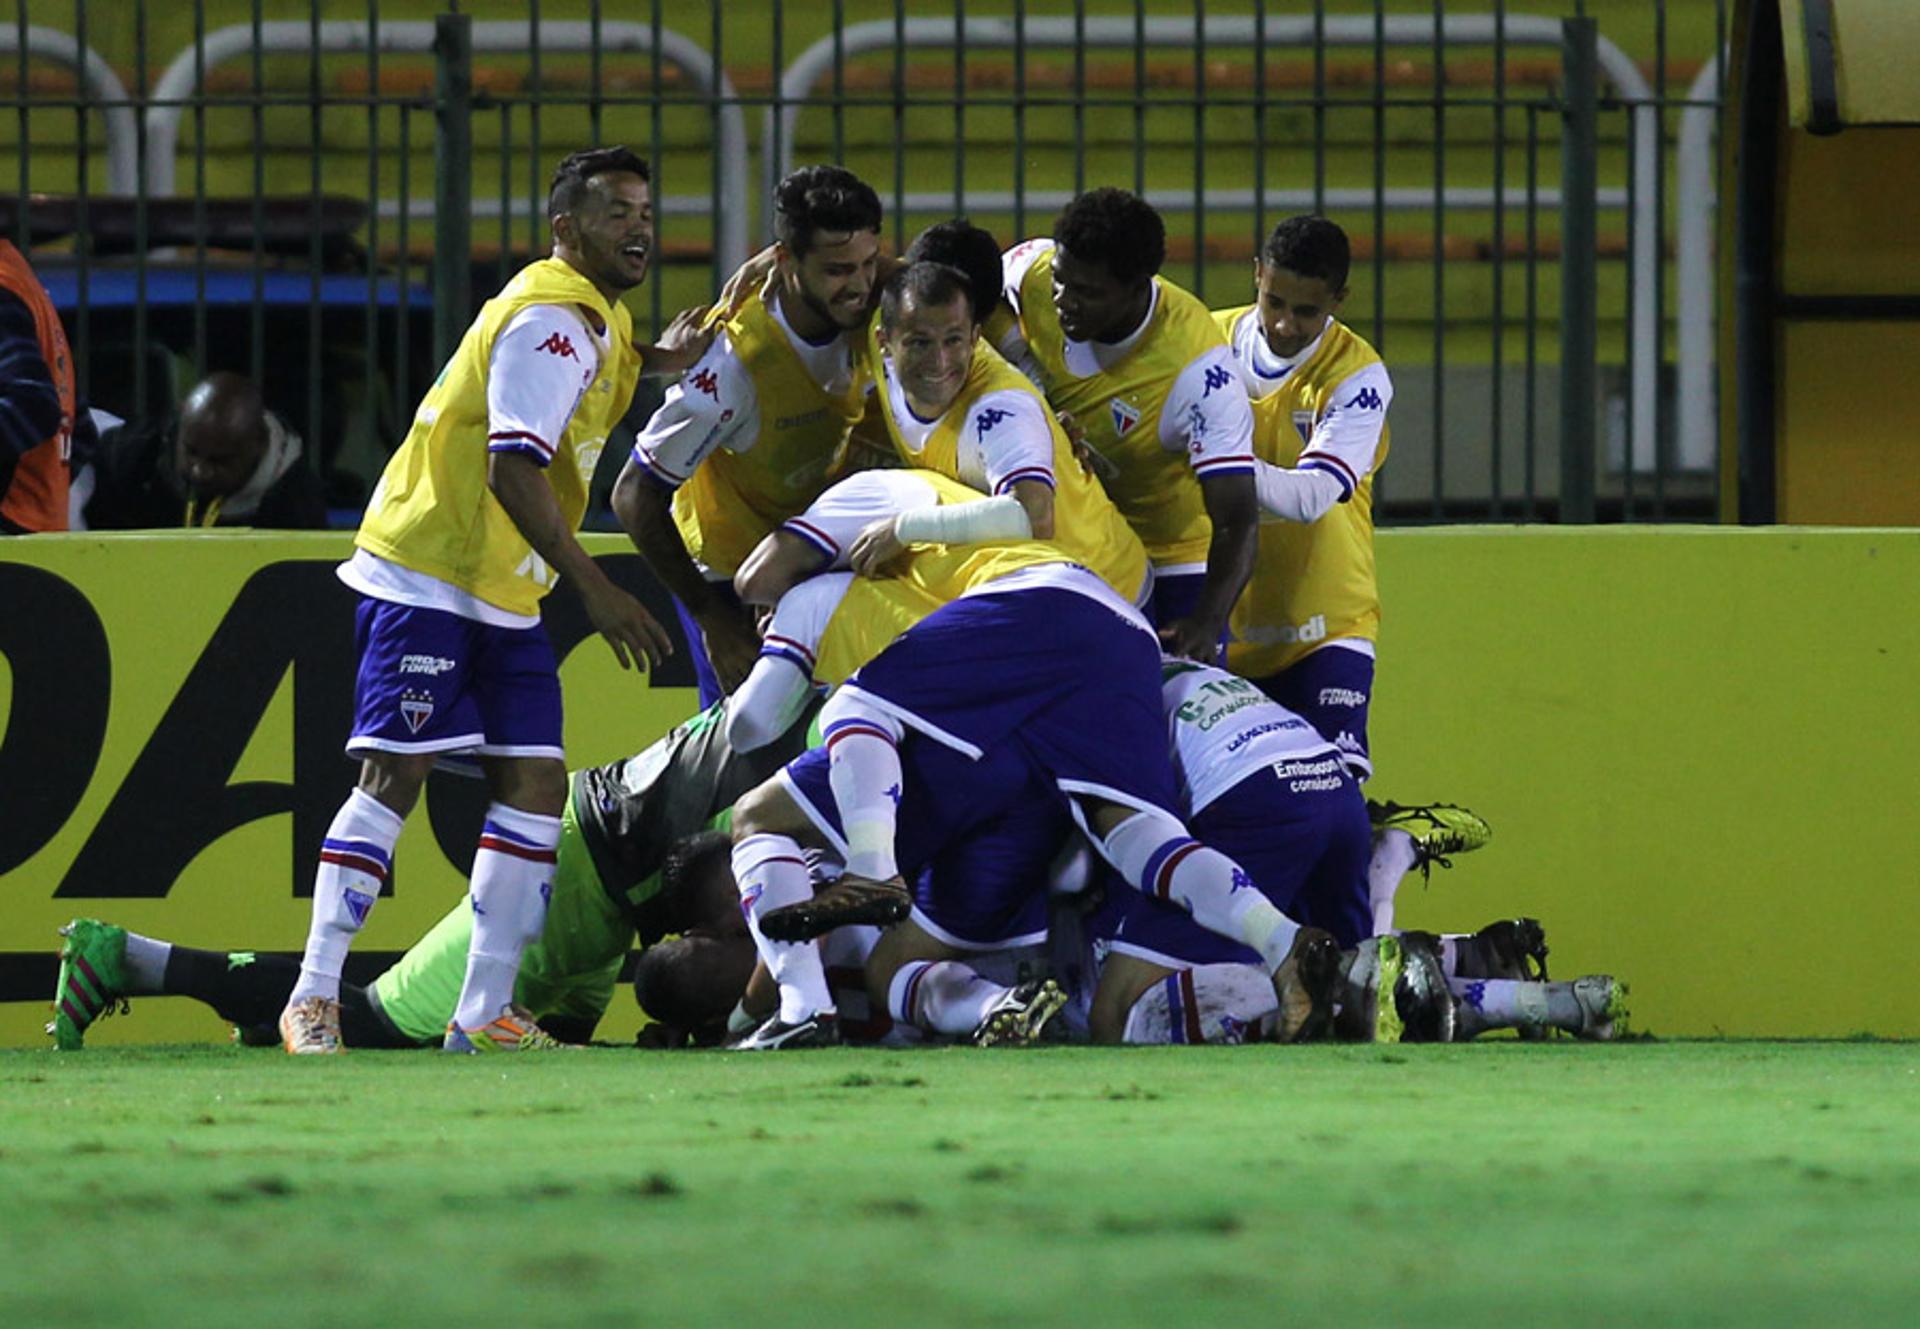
<point x="1033" y="799"/>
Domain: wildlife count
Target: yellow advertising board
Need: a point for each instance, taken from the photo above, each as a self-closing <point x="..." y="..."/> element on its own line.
<point x="176" y="706"/>
<point x="1696" y="747"/>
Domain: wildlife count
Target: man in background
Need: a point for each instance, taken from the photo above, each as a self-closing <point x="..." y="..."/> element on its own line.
<point x="226" y="461"/>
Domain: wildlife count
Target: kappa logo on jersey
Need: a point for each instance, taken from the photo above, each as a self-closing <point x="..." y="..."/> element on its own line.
<point x="1475" y="995"/>
<point x="556" y="344"/>
<point x="1218" y="376"/>
<point x="990" y="417"/>
<point x="1367" y="399"/>
<point x="416" y="708"/>
<point x="708" y="382"/>
<point x="1125" y="416"/>
<point x="1241" y="881"/>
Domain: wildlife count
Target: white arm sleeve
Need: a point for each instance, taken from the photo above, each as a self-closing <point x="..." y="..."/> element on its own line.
<point x="1013" y="268"/>
<point x="1208" y="416"/>
<point x="541" y="365"/>
<point x="1294" y="495"/>
<point x="835" y="519"/>
<point x="1015" y="439"/>
<point x="1346" y="438"/>
<point x="999" y="518"/>
<point x="767" y="704"/>
<point x="712" y="406"/>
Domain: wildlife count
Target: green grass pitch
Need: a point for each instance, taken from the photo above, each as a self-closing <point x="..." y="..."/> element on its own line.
<point x="1643" y="1183"/>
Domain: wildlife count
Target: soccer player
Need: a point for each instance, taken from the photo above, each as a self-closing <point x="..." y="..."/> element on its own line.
<point x="745" y="439"/>
<point x="470" y="526"/>
<point x="953" y="406"/>
<point x="1143" y="370"/>
<point x="1305" y="627"/>
<point x="1049" y="661"/>
<point x="640" y="856"/>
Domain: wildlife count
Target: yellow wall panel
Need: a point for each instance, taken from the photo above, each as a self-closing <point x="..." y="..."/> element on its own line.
<point x="1695" y="745"/>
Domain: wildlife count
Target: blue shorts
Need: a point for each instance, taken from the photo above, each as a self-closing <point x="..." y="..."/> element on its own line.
<point x="431" y="681"/>
<point x="1057" y="674"/>
<point x="976" y="839"/>
<point x="1305" y="848"/>
<point x="1330" y="689"/>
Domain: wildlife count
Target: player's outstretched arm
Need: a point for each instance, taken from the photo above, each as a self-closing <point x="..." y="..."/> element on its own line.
<point x="522" y="488"/>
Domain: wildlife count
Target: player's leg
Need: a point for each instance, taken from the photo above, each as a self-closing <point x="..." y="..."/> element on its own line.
<point x="411" y="703"/>
<point x="770" y="871"/>
<point x="102" y="965"/>
<point x="983" y="893"/>
<point x="1594" y="1007"/>
<point x="511" y="887"/>
<point x="1153" y="851"/>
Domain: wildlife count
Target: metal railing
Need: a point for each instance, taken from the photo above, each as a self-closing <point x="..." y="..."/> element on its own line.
<point x="1470" y="261"/>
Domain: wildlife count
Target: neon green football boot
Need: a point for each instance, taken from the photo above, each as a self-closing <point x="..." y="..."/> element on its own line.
<point x="92" y="980"/>
<point x="1439" y="830"/>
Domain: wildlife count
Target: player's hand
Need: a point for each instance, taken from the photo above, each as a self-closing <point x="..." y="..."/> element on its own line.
<point x="680" y="347"/>
<point x="1192" y="639"/>
<point x="875" y="549"/>
<point x="636" y="638"/>
<point x="732" y="644"/>
<point x="1090" y="461"/>
<point x="746" y="280"/>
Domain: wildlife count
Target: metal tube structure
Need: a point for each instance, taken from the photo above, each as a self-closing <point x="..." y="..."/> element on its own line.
<point x="1579" y="303"/>
<point x="174" y="91"/>
<point x="1019" y="34"/>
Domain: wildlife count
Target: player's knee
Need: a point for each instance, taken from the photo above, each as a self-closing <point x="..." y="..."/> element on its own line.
<point x="394" y="779"/>
<point x="756" y="811"/>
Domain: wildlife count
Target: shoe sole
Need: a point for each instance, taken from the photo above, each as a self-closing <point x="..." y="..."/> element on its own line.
<point x="1021" y="1028"/>
<point x="807" y="920"/>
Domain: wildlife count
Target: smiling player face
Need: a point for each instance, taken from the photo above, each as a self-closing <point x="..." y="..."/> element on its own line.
<point x="931" y="347"/>
<point x="834" y="280"/>
<point x="612" y="231"/>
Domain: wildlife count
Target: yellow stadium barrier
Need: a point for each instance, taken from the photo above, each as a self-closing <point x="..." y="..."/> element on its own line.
<point x="1695" y="746"/>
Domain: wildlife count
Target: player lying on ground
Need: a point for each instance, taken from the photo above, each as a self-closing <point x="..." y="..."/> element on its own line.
<point x="630" y="869"/>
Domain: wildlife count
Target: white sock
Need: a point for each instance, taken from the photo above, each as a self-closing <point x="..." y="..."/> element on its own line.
<point x="512" y="883"/>
<point x="941" y="996"/>
<point x="356" y="859"/>
<point x="1500" y="1003"/>
<point x="1155" y="854"/>
<point x="771" y="874"/>
<point x="864" y="770"/>
<point x="145" y="967"/>
<point x="1216" y="1003"/>
<point x="1393" y="858"/>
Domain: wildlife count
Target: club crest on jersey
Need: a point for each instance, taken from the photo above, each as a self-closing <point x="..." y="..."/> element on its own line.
<point x="1303" y="426"/>
<point x="1125" y="416"/>
<point x="416" y="708"/>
